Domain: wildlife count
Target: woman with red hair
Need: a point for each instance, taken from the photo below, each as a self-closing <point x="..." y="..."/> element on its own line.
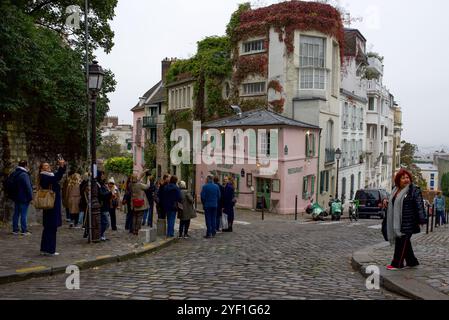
<point x="404" y="216"/>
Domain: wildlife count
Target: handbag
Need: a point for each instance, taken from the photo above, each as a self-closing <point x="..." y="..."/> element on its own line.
<point x="138" y="203"/>
<point x="44" y="198"/>
<point x="224" y="221"/>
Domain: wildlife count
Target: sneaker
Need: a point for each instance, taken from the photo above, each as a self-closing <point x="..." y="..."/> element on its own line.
<point x="186" y="236"/>
<point x="15" y="233"/>
<point x="55" y="254"/>
<point x="26" y="233"/>
<point x="391" y="268"/>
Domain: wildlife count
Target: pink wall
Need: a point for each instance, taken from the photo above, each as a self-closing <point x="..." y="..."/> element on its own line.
<point x="291" y="184"/>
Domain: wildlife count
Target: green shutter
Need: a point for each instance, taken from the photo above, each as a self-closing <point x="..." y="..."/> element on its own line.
<point x="252" y="142"/>
<point x="307" y="146"/>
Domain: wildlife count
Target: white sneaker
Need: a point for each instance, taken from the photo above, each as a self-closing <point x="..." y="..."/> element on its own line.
<point x="55" y="254"/>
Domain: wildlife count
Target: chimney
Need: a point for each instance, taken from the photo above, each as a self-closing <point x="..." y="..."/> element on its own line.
<point x="165" y="66"/>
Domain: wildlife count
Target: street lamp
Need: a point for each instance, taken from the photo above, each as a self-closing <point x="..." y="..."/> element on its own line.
<point x="338" y="157"/>
<point x="95" y="81"/>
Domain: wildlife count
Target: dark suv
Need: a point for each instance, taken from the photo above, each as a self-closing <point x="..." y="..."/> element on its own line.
<point x="371" y="202"/>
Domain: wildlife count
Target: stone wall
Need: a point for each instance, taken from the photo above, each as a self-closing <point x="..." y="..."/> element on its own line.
<point x="16" y="145"/>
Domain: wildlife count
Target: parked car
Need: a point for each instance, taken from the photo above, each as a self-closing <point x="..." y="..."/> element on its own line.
<point x="371" y="202"/>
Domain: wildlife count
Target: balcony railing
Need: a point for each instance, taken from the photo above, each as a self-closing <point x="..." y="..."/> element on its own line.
<point x="330" y="156"/>
<point x="150" y="122"/>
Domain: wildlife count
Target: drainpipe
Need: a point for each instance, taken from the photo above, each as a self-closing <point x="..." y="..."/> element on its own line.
<point x="318" y="167"/>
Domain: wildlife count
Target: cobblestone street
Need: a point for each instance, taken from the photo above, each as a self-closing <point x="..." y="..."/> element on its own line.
<point x="273" y="259"/>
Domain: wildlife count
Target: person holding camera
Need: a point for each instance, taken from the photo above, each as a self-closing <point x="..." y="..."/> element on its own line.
<point x="52" y="219"/>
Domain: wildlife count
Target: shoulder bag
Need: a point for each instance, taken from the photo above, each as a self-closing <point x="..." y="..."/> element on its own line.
<point x="44" y="198"/>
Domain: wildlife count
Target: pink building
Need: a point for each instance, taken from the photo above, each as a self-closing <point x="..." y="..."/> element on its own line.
<point x="295" y="173"/>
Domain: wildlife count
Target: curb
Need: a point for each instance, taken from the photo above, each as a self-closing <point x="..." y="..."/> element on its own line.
<point x="403" y="283"/>
<point x="44" y="271"/>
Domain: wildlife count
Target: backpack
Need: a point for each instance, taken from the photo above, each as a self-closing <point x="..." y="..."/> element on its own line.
<point x="439" y="204"/>
<point x="10" y="185"/>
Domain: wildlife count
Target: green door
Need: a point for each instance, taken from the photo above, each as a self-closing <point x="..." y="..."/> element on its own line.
<point x="263" y="192"/>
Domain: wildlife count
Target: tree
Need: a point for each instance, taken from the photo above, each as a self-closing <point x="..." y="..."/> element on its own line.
<point x="42" y="78"/>
<point x="119" y="165"/>
<point x="109" y="148"/>
<point x="445" y="184"/>
<point x="407" y="155"/>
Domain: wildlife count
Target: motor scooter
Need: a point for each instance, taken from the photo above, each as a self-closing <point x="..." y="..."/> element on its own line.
<point x="336" y="210"/>
<point x="316" y="211"/>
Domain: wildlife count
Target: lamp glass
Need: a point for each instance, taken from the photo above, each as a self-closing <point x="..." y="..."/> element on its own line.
<point x="338" y="154"/>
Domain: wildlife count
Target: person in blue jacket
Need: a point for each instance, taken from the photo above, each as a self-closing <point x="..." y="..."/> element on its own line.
<point x="172" y="195"/>
<point x="52" y="219"/>
<point x="210" y="196"/>
<point x="22" y="196"/>
<point x="229" y="203"/>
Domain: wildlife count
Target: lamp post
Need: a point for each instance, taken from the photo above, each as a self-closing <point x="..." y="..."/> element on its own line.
<point x="338" y="157"/>
<point x="95" y="81"/>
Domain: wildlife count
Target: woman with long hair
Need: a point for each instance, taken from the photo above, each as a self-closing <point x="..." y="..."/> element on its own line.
<point x="74" y="198"/>
<point x="405" y="214"/>
<point x="52" y="219"/>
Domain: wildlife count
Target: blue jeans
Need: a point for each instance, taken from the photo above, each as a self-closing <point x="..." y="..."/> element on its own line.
<point x="104" y="222"/>
<point x="81" y="218"/>
<point x="148" y="215"/>
<point x="441" y="217"/>
<point x="171" y="219"/>
<point x="20" y="210"/>
<point x="211" y="220"/>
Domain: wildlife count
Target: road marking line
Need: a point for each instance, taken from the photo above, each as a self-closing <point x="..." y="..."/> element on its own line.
<point x="33" y="269"/>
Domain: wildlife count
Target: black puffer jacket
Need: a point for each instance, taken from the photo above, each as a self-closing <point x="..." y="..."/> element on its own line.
<point x="413" y="213"/>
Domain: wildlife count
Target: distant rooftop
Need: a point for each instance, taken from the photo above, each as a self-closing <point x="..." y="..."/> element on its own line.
<point x="427" y="167"/>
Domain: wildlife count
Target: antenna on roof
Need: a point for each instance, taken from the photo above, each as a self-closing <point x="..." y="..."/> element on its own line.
<point x="237" y="110"/>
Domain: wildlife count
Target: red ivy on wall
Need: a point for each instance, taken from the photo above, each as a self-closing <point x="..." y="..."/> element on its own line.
<point x="251" y="65"/>
<point x="289" y="16"/>
<point x="278" y="105"/>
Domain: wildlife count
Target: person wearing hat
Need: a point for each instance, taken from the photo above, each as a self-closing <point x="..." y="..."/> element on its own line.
<point x="114" y="203"/>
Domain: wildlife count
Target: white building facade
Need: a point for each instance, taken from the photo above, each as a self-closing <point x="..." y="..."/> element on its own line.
<point x="380" y="129"/>
<point x="353" y="104"/>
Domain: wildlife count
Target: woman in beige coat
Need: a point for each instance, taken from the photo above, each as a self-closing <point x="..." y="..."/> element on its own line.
<point x="74" y="198"/>
<point x="139" y="202"/>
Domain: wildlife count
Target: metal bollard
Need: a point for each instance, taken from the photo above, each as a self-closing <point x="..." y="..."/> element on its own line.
<point x="428" y="219"/>
<point x="263" y="212"/>
<point x="296" y="208"/>
<point x="433" y="218"/>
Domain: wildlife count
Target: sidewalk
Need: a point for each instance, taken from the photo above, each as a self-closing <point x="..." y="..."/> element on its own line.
<point x="20" y="257"/>
<point x="429" y="281"/>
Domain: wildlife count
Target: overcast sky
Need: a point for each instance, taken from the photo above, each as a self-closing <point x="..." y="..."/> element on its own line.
<point x="412" y="35"/>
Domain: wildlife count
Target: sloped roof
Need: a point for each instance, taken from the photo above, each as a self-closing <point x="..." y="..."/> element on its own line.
<point x="147" y="95"/>
<point x="255" y="118"/>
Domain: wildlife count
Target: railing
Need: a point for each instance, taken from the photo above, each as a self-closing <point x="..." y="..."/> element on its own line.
<point x="330" y="156"/>
<point x="376" y="64"/>
<point x="150" y="122"/>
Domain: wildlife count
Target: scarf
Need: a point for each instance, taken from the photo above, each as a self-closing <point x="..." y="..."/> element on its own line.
<point x="48" y="174"/>
<point x="394" y="214"/>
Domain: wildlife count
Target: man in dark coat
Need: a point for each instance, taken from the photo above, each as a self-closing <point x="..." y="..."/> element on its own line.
<point x="22" y="196"/>
<point x="104" y="197"/>
<point x="220" y="205"/>
<point x="210" y="196"/>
